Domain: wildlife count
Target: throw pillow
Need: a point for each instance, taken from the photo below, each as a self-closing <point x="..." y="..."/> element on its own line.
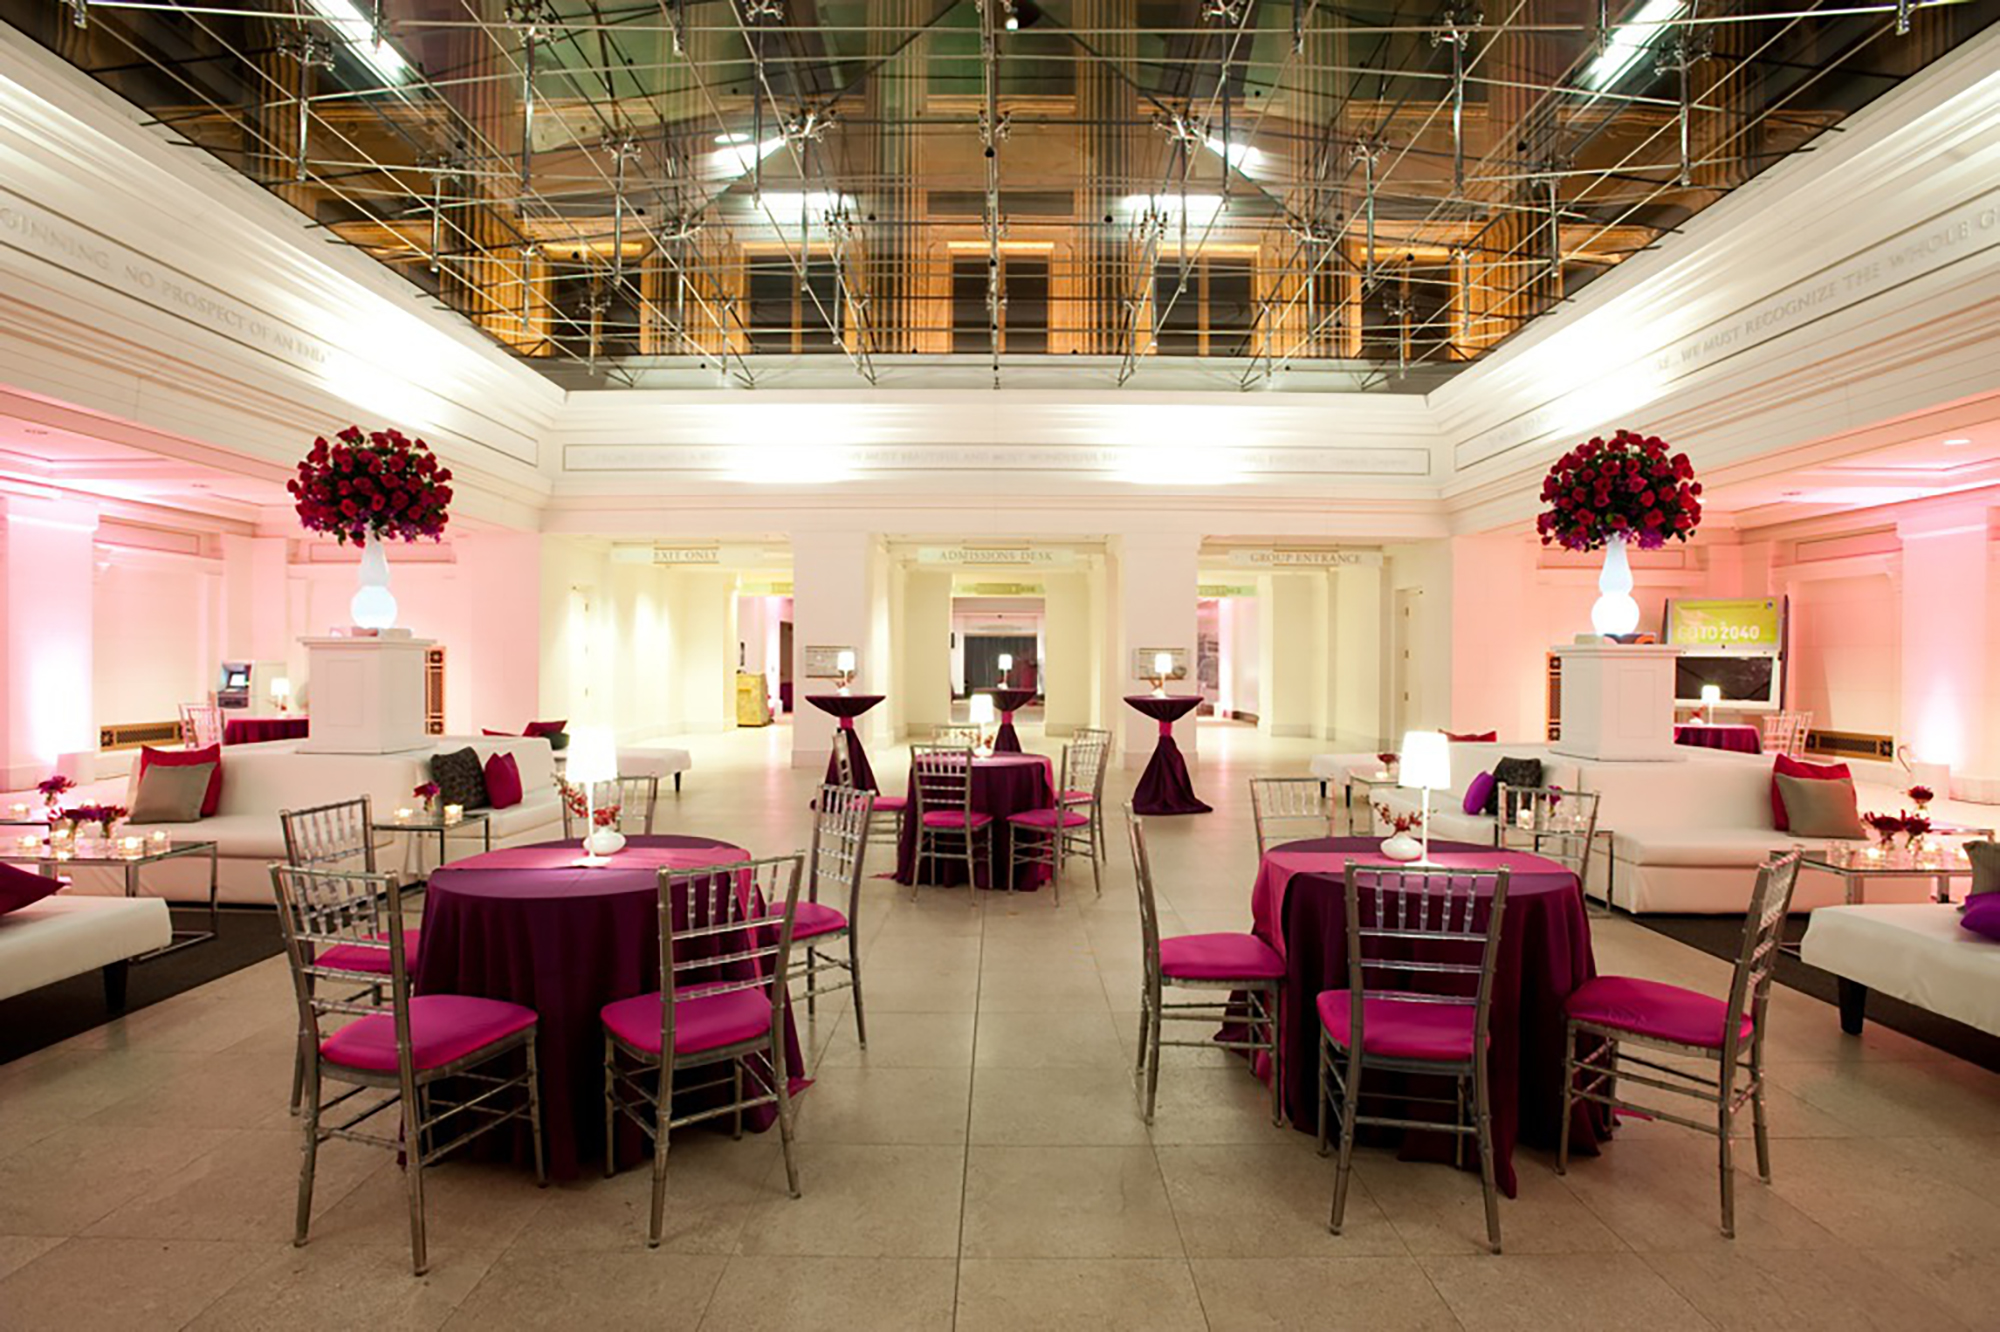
<point x="1815" y="808"/>
<point x="1985" y="858"/>
<point x="1787" y="766"/>
<point x="1982" y="916"/>
<point x="460" y="778"/>
<point x="1478" y="791"/>
<point x="1473" y="737"/>
<point x="487" y="730"/>
<point x="503" y="781"/>
<point x="171" y="793"/>
<point x="212" y="799"/>
<point x="1515" y="772"/>
<point x="19" y="887"/>
<point x="546" y="728"/>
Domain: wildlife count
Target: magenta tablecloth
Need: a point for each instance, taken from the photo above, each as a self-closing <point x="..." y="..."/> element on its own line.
<point x="530" y="926"/>
<point x="1003" y="785"/>
<point x="1007" y="702"/>
<point x="256" y="730"/>
<point x="847" y="707"/>
<point x="1701" y="735"/>
<point x="1165" y="787"/>
<point x="1299" y="907"/>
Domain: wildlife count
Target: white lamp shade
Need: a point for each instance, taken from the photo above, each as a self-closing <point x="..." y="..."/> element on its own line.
<point x="1163" y="663"/>
<point x="1711" y="695"/>
<point x="1006" y="661"/>
<point x="1426" y="761"/>
<point x="593" y="755"/>
<point x="982" y="709"/>
<point x="281" y="687"/>
<point x="844" y="660"/>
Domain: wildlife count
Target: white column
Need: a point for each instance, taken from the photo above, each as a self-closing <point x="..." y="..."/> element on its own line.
<point x="1068" y="658"/>
<point x="1157" y="581"/>
<point x="1947" y="641"/>
<point x="1292" y="655"/>
<point x="703" y="672"/>
<point x="924" y="648"/>
<point x="1354" y="710"/>
<point x="47" y="577"/>
<point x="833" y="603"/>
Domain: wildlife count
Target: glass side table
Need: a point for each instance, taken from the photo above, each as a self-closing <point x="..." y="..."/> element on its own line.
<point x="421" y="824"/>
<point x="52" y="863"/>
<point x="1855" y="865"/>
<point x="1368" y="782"/>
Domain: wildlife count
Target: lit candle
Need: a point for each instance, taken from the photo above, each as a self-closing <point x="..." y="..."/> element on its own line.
<point x="29" y="844"/>
<point x="1874" y="853"/>
<point x="20" y="810"/>
<point x="403" y="814"/>
<point x="453" y="813"/>
<point x="1525" y="816"/>
<point x="132" y="846"/>
<point x="160" y="841"/>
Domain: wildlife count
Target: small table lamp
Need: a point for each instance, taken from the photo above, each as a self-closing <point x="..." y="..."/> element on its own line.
<point x="1163" y="666"/>
<point x="281" y="692"/>
<point x="1426" y="766"/>
<point x="1006" y="664"/>
<point x="593" y="758"/>
<point x="843" y="662"/>
<point x="1711" y="699"/>
<point x="982" y="714"/>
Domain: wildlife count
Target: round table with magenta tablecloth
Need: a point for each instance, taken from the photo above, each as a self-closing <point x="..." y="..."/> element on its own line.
<point x="1738" y="739"/>
<point x="1002" y="785"/>
<point x="257" y="730"/>
<point x="1007" y="702"/>
<point x="847" y="707"/>
<point x="1165" y="787"/>
<point x="531" y="926"/>
<point x="1299" y="907"/>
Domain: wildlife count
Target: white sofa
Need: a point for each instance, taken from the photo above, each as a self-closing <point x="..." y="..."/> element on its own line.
<point x="260" y="780"/>
<point x="69" y="933"/>
<point x="1916" y="952"/>
<point x="1448" y="818"/>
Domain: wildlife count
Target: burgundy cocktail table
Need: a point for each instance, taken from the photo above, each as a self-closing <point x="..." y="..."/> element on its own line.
<point x="1007" y="702"/>
<point x="847" y="707"/>
<point x="1165" y="787"/>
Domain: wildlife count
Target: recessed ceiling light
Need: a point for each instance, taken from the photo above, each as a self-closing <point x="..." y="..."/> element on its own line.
<point x="1954" y="443"/>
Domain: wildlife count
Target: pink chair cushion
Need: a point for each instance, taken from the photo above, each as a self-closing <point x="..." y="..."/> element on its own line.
<point x="815" y="918"/>
<point x="1653" y="1008"/>
<point x="701" y="1021"/>
<point x="353" y="957"/>
<point x="1219" y="957"/>
<point x="1077" y="797"/>
<point x="1400" y="1028"/>
<point x="885" y="804"/>
<point x="955" y="818"/>
<point x="1046" y="818"/>
<point x="444" y="1028"/>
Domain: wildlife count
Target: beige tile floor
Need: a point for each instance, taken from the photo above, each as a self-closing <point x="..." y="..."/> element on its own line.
<point x="983" y="1164"/>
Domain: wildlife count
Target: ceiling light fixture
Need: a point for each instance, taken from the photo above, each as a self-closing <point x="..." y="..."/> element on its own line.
<point x="362" y="39"/>
<point x="1628" y="42"/>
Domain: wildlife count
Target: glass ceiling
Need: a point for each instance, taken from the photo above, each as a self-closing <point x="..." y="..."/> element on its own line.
<point x="634" y="194"/>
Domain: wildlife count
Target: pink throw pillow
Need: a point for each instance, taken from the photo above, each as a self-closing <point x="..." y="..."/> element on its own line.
<point x="503" y="781"/>
<point x="181" y="758"/>
<point x="1478" y="792"/>
<point x="19" y="887"/>
<point x="1787" y="766"/>
<point x="546" y="728"/>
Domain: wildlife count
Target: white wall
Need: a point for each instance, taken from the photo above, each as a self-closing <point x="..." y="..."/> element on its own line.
<point x="153" y="635"/>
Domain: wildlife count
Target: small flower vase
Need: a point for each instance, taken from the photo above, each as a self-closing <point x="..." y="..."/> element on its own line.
<point x="604" y="842"/>
<point x="1402" y="846"/>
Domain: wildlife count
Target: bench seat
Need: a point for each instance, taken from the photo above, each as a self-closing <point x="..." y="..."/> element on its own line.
<point x="1916" y="952"/>
<point x="66" y="935"/>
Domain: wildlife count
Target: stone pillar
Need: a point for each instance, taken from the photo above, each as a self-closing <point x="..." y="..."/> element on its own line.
<point x="833" y="605"/>
<point x="47" y="578"/>
<point x="1070" y="630"/>
<point x="1292" y="652"/>
<point x="1354" y="717"/>
<point x="1947" y="641"/>
<point x="923" y="642"/>
<point x="1156" y="584"/>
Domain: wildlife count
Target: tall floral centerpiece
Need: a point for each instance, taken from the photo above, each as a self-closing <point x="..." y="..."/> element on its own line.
<point x="1610" y="495"/>
<point x="365" y="488"/>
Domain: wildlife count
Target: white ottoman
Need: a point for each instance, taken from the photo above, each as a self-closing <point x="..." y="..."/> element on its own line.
<point x="1914" y="951"/>
<point x="653" y="761"/>
<point x="67" y="935"/>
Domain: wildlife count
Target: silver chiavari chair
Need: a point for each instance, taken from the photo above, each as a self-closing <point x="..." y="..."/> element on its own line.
<point x="1421" y="946"/>
<point x="1231" y="963"/>
<point x="724" y="985"/>
<point x="1787" y="732"/>
<point x="1289" y="809"/>
<point x="885" y="812"/>
<point x="842" y="820"/>
<point x="201" y="725"/>
<point x="338" y="836"/>
<point x="331" y="917"/>
<point x="967" y="736"/>
<point x="1548" y="821"/>
<point x="947" y="824"/>
<point x="1051" y="836"/>
<point x="1723" y="1039"/>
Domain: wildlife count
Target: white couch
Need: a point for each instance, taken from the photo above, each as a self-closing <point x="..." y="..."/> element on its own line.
<point x="1448" y="818"/>
<point x="70" y="933"/>
<point x="1915" y="952"/>
<point x="260" y="780"/>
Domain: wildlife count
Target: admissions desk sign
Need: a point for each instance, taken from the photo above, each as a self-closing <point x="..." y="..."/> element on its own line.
<point x="1742" y="622"/>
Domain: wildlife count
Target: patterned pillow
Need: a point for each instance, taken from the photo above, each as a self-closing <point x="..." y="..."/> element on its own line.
<point x="1517" y="773"/>
<point x="1985" y="858"/>
<point x="460" y="777"/>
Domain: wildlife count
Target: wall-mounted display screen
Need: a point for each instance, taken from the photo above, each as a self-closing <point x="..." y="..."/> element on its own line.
<point x="1751" y="622"/>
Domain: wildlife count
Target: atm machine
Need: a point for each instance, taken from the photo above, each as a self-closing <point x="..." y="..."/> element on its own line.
<point x="253" y="686"/>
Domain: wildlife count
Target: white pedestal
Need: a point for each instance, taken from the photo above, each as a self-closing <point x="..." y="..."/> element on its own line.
<point x="1617" y="702"/>
<point x="367" y="695"/>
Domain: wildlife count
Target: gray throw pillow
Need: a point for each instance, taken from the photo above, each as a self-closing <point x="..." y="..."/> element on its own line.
<point x="1820" y="808"/>
<point x="171" y="794"/>
<point x="1985" y="858"/>
<point x="461" y="778"/>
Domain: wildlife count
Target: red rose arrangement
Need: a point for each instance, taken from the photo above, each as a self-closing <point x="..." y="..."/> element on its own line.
<point x="1408" y="821"/>
<point x="1923" y="795"/>
<point x="382" y="483"/>
<point x="1626" y="487"/>
<point x="102" y="815"/>
<point x="603" y="816"/>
